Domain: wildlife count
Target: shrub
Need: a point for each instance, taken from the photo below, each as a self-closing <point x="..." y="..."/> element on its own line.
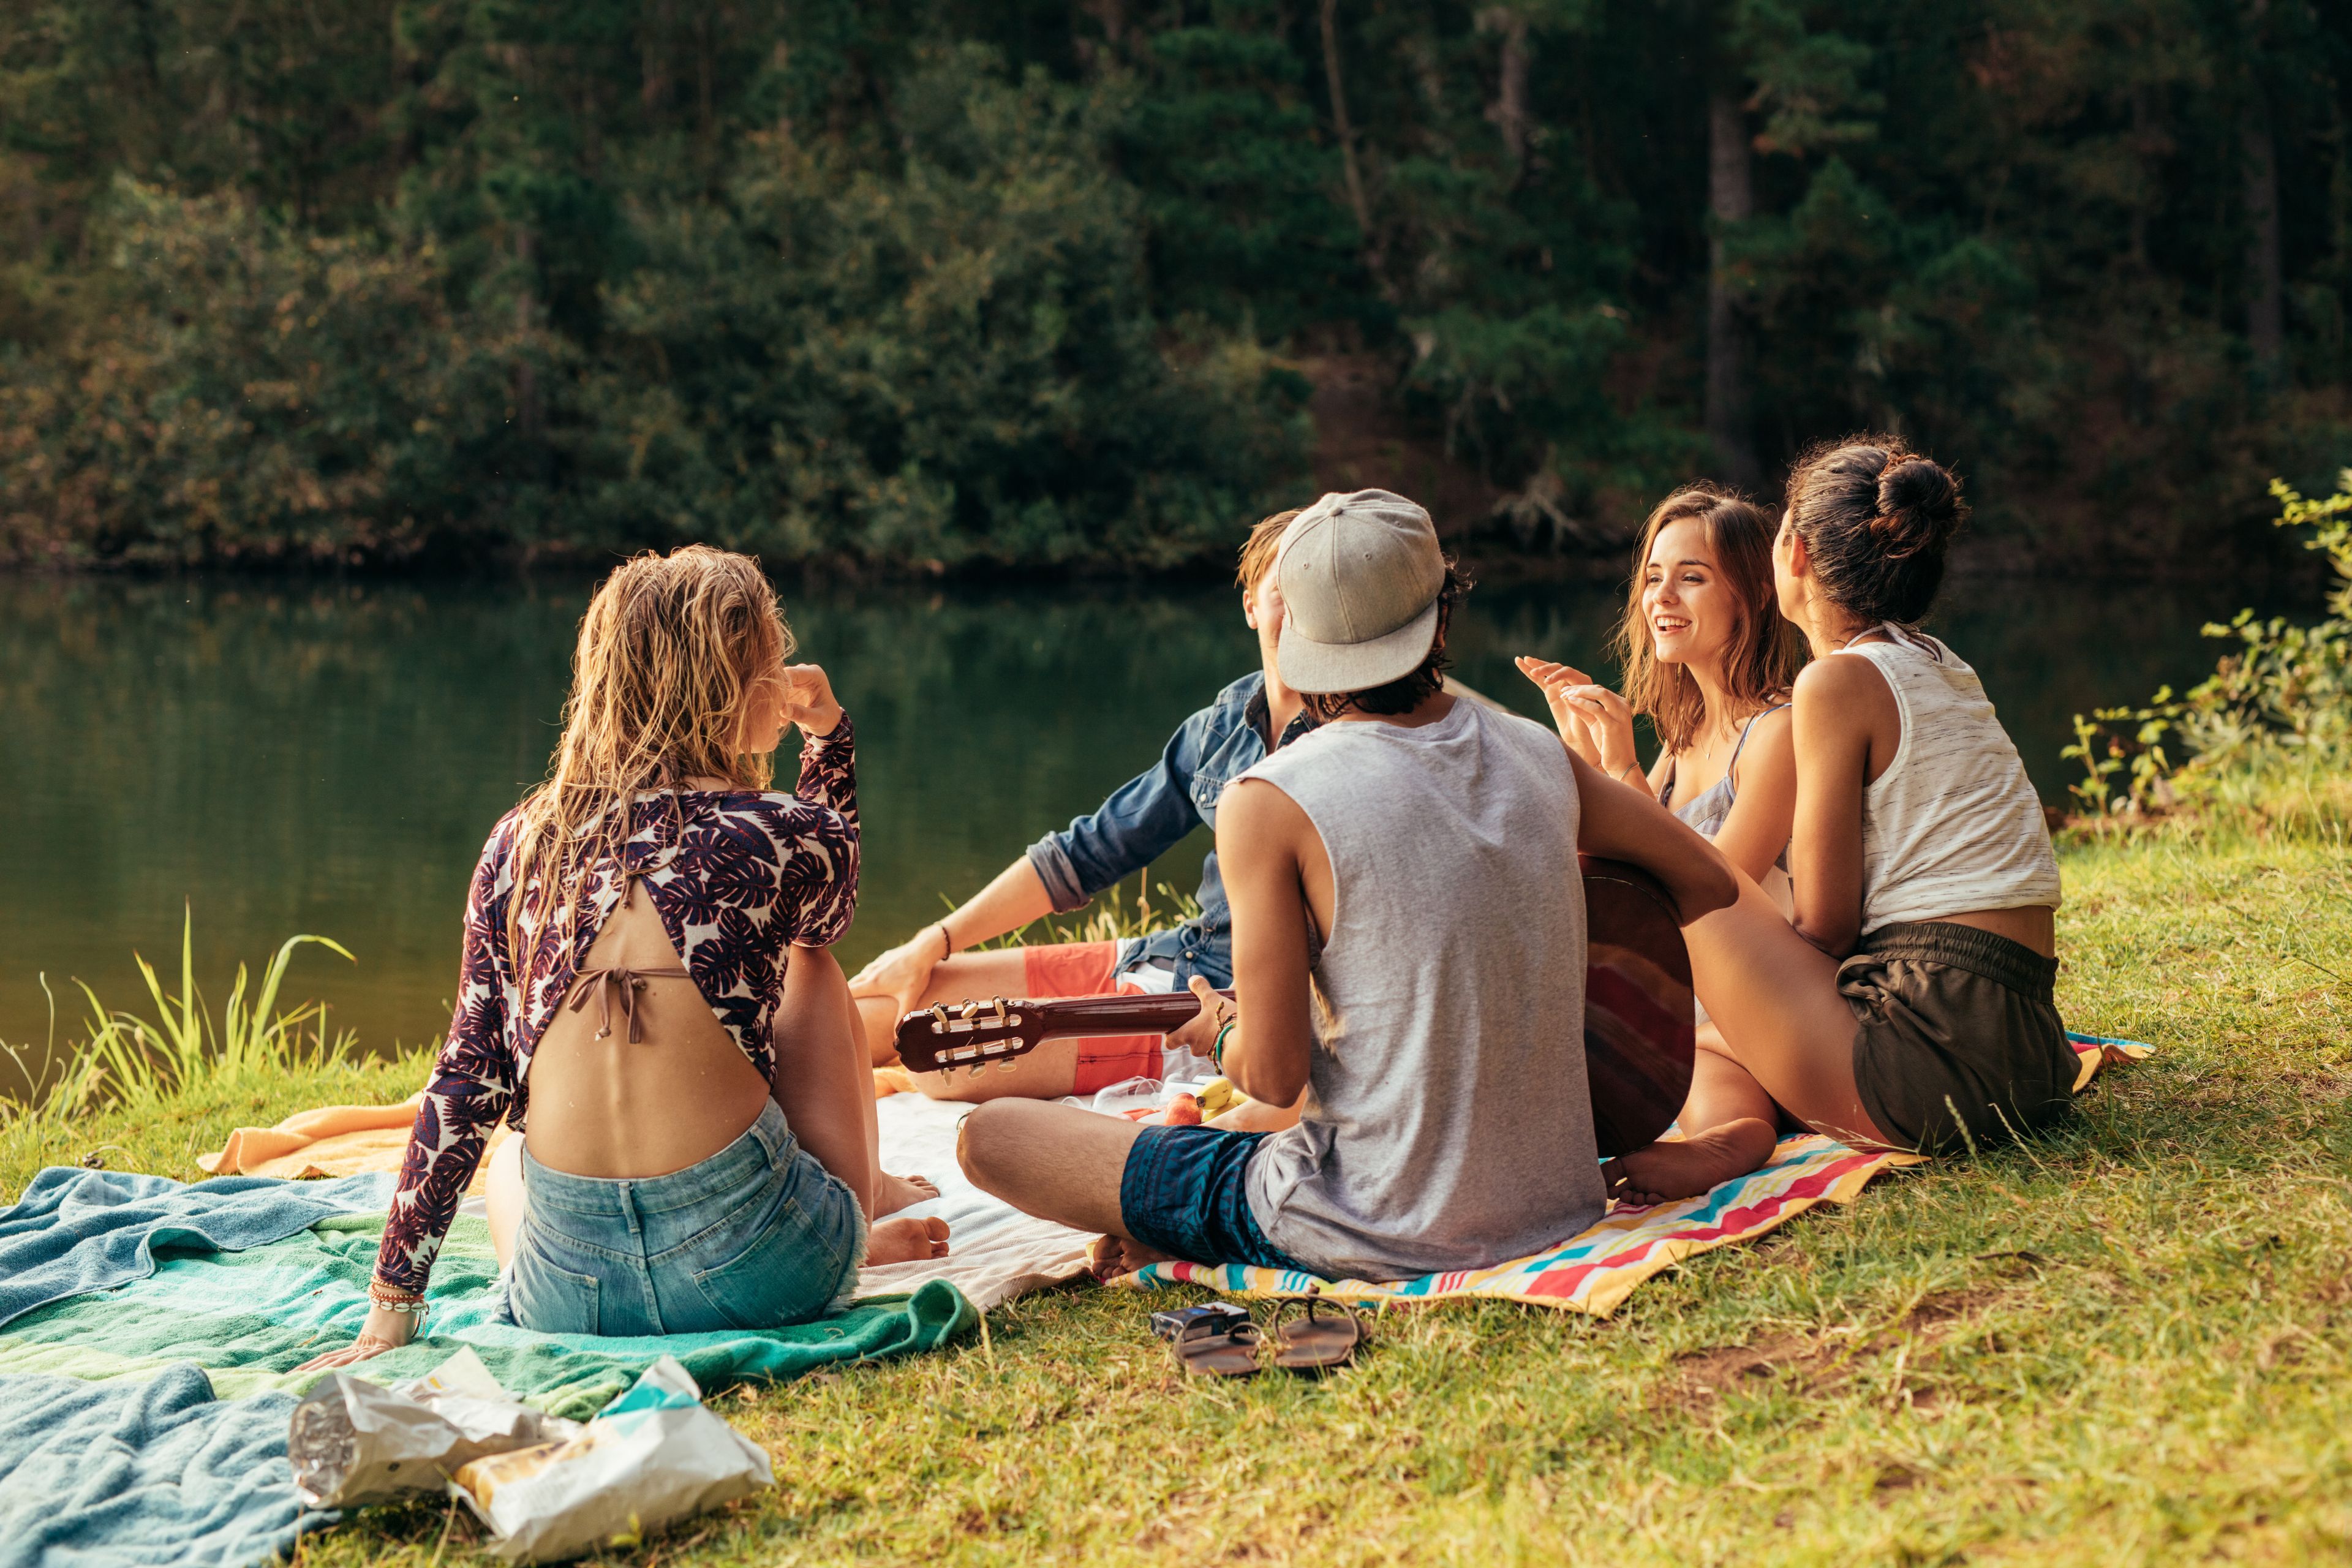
<point x="948" y="358"/>
<point x="229" y="389"/>
<point x="2273" y="722"/>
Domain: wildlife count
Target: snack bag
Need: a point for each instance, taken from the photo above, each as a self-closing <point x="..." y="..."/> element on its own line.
<point x="652" y="1456"/>
<point x="353" y="1441"/>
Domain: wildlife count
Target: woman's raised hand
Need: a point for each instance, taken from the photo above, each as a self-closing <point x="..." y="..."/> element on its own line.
<point x="1597" y="723"/>
<point x="809" y="700"/>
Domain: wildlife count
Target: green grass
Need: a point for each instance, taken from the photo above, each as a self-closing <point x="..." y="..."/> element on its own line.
<point x="2126" y="1343"/>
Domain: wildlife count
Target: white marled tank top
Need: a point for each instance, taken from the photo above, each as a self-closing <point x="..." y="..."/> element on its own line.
<point x="1952" y="824"/>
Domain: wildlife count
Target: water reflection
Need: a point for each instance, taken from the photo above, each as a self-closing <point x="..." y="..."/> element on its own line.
<point x="328" y="758"/>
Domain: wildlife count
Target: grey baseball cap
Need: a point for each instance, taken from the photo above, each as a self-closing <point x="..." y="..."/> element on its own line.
<point x="1360" y="575"/>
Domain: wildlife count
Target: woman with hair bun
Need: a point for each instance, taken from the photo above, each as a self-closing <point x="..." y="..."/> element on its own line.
<point x="646" y="998"/>
<point x="1909" y="1005"/>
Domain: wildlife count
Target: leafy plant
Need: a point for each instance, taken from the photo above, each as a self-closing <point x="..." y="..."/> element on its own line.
<point x="2104" y="755"/>
<point x="2282" y="698"/>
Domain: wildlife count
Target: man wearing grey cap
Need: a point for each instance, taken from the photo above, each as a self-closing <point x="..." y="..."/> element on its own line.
<point x="1408" y="927"/>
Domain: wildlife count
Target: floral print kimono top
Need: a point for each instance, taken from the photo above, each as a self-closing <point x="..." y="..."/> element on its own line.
<point x="737" y="877"/>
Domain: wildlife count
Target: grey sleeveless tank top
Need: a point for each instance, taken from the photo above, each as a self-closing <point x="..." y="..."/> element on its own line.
<point x="1708" y="810"/>
<point x="1447" y="1124"/>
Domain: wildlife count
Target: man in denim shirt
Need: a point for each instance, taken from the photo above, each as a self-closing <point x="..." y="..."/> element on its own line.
<point x="1143" y="819"/>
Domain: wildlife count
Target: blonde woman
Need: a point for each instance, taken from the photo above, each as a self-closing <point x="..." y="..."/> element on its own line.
<point x="1709" y="660"/>
<point x="646" y="997"/>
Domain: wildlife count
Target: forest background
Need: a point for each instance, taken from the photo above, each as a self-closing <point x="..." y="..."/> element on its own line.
<point x="960" y="285"/>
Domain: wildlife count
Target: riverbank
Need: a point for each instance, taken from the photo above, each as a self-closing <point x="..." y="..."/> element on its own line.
<point x="2126" y="1343"/>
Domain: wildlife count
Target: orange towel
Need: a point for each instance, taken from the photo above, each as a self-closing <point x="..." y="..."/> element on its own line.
<point x="329" y="1140"/>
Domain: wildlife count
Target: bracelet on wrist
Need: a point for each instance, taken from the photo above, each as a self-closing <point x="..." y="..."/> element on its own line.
<point x="1217" y="1047"/>
<point x="395" y="1300"/>
<point x="946" y="942"/>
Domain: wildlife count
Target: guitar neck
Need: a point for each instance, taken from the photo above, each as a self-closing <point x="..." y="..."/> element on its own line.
<point x="976" y="1035"/>
<point x="1082" y="1016"/>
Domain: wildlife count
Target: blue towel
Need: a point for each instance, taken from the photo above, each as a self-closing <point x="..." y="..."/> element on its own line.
<point x="130" y="1475"/>
<point x="76" y="1231"/>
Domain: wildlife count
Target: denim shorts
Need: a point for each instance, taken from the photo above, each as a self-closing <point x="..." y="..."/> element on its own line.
<point x="1184" y="1191"/>
<point x="758" y="1235"/>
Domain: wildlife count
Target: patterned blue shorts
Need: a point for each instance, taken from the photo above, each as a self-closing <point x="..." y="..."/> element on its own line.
<point x="1185" y="1192"/>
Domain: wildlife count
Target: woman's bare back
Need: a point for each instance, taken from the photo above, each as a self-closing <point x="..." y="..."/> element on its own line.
<point x="602" y="1105"/>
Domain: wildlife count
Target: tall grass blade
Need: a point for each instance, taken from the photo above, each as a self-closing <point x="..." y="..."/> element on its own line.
<point x="191" y="1021"/>
<point x="142" y="1062"/>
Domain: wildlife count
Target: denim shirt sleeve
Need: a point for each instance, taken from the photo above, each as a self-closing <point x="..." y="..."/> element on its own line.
<point x="1142" y="820"/>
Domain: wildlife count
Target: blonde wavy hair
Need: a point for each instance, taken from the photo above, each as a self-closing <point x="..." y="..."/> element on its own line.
<point x="669" y="653"/>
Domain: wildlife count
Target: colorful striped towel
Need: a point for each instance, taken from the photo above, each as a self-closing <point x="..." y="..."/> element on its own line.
<point x="1596" y="1270"/>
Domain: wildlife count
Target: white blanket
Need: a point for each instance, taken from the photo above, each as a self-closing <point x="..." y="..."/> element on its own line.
<point x="995" y="1251"/>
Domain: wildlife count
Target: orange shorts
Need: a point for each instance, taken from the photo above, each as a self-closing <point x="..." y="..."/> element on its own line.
<point x="1087" y="969"/>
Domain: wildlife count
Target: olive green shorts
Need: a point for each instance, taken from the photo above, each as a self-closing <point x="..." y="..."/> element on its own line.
<point x="1957" y="1042"/>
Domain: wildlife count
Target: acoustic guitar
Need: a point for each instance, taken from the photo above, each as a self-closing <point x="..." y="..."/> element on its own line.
<point x="1639" y="1027"/>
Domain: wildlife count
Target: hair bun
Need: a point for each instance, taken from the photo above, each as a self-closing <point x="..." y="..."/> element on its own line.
<point x="1915" y="485"/>
<point x="1918" y="505"/>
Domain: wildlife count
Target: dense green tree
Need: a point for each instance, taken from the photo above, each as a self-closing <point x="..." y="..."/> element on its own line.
<point x="1046" y="282"/>
<point x="951" y="360"/>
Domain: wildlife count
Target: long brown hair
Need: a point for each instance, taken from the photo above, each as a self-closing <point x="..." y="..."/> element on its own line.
<point x="669" y="649"/>
<point x="1765" y="651"/>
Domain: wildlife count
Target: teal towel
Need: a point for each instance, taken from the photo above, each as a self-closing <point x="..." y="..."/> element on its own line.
<point x="249" y="1318"/>
<point x="130" y="1475"/>
<point x="76" y="1231"/>
<point x="143" y="1420"/>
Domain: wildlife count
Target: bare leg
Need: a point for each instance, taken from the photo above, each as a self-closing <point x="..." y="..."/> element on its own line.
<point x="1048" y="1072"/>
<point x="1786" y="1039"/>
<point x="1774" y="995"/>
<point x="1058" y="1163"/>
<point x="827" y="1094"/>
<point x="1728" y="1126"/>
<point x="503" y="1193"/>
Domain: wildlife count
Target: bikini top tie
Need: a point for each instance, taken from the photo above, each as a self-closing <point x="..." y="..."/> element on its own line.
<point x="603" y="983"/>
<point x="618" y="977"/>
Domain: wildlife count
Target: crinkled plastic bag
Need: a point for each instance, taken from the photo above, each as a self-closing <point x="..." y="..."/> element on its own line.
<point x="654" y="1455"/>
<point x="353" y="1441"/>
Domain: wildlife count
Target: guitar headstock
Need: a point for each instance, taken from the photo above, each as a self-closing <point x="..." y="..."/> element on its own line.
<point x="970" y="1034"/>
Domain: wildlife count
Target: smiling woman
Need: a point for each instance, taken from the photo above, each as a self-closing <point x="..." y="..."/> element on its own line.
<point x="1708" y="660"/>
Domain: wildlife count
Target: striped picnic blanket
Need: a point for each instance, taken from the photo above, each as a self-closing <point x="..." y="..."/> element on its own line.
<point x="1594" y="1270"/>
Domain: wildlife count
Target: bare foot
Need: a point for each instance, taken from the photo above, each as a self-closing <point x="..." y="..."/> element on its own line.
<point x="1667" y="1170"/>
<point x="906" y="1241"/>
<point x="1108" y="1257"/>
<point x="892" y="1193"/>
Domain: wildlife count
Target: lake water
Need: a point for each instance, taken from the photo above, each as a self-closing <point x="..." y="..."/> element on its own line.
<point x="285" y="757"/>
